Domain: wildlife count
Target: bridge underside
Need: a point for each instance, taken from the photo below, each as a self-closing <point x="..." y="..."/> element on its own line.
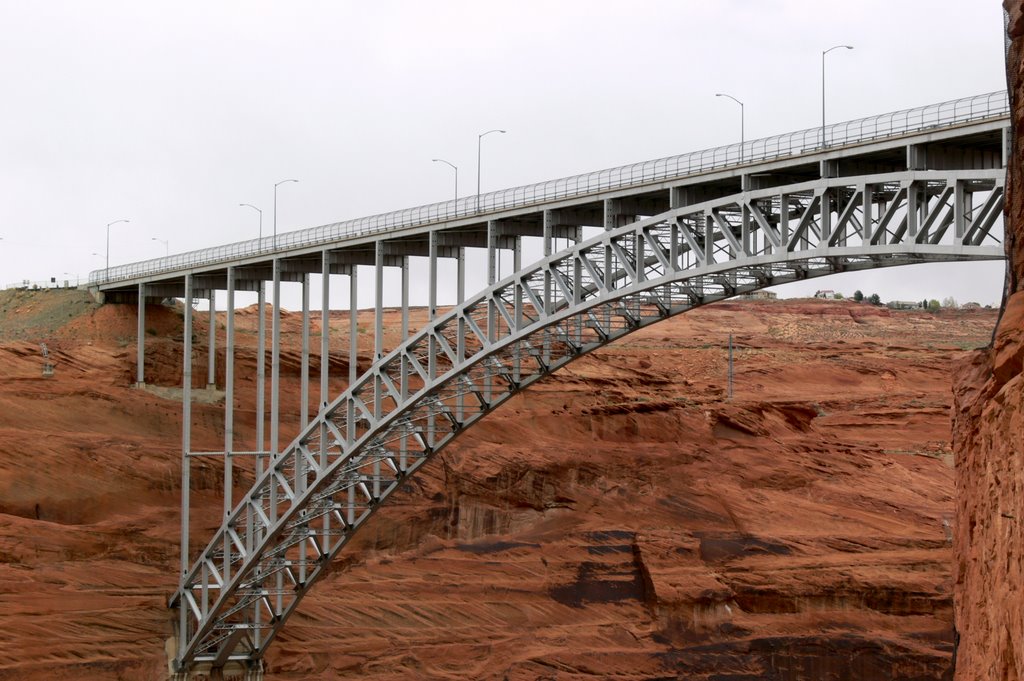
<point x="312" y="496"/>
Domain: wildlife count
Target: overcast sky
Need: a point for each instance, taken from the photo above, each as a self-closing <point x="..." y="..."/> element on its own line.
<point x="170" y="114"/>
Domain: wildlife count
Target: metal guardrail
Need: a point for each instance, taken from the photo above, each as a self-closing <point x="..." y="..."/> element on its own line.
<point x="957" y="111"/>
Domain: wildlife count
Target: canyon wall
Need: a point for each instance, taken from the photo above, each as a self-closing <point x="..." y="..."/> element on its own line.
<point x="988" y="428"/>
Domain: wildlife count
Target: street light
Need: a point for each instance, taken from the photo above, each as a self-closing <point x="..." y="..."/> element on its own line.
<point x="276" y="185"/>
<point x="456" y="169"/>
<point x="261" y="217"/>
<point x="108" y="239"/>
<point x="742" y="115"/>
<point x="823" y="53"/>
<point x="165" y="242"/>
<point x="479" y="139"/>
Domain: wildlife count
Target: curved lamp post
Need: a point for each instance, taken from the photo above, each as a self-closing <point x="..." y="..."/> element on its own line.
<point x="261" y="216"/>
<point x="276" y="185"/>
<point x="165" y="242"/>
<point x="479" y="139"/>
<point x="742" y="124"/>
<point x="108" y="239"/>
<point x="456" y="169"/>
<point x="823" y="53"/>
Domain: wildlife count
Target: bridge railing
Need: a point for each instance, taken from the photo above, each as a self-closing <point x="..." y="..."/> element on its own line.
<point x="958" y="111"/>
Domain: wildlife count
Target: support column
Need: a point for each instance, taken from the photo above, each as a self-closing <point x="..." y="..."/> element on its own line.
<point x="405" y="298"/>
<point x="960" y="202"/>
<point x="913" y="194"/>
<point x="432" y="276"/>
<point x="325" y="330"/>
<point x="261" y="376"/>
<point x="275" y="360"/>
<point x="229" y="412"/>
<point x="825" y="218"/>
<point x="211" y="358"/>
<point x="461" y="277"/>
<point x="140" y="349"/>
<point x="353" y="326"/>
<point x="325" y="367"/>
<point x="867" y="231"/>
<point x="378" y="294"/>
<point x="304" y="397"/>
<point x="186" y="439"/>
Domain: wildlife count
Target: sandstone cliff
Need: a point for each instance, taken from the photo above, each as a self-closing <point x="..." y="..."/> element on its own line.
<point x="988" y="437"/>
<point x="623" y="521"/>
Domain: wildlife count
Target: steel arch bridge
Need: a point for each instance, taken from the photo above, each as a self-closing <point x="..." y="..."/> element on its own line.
<point x="932" y="193"/>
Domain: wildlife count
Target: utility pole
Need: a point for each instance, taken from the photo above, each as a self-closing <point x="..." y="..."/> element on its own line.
<point x="730" y="366"/>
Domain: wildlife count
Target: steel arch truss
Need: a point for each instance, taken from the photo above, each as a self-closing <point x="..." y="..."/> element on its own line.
<point x="314" y="496"/>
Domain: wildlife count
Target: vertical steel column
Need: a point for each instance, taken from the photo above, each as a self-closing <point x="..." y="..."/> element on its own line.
<point x="460" y="276"/>
<point x="229" y="411"/>
<point x="404" y="298"/>
<point x="611" y="207"/>
<point x="548" y="237"/>
<point x="325" y="367"/>
<point x="960" y="201"/>
<point x="211" y="357"/>
<point x="140" y="340"/>
<point x="404" y="379"/>
<point x="378" y="349"/>
<point x="492" y="311"/>
<point x="261" y="376"/>
<point x="300" y="461"/>
<point x="325" y="333"/>
<point x="431" y="314"/>
<point x="353" y="326"/>
<point x="186" y="440"/>
<point x="913" y="199"/>
<point x="867" y="234"/>
<point x="275" y="362"/>
<point x="432" y="275"/>
<point x="825" y="219"/>
<point x="783" y="221"/>
<point x="304" y="397"/>
<point x="378" y="293"/>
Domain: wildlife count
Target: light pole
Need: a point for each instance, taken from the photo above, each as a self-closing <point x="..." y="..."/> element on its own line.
<point x="261" y="215"/>
<point x="742" y="123"/>
<point x="479" y="139"/>
<point x="165" y="242"/>
<point x="108" y="239"/>
<point x="276" y="185"/>
<point x="823" y="53"/>
<point x="456" y="169"/>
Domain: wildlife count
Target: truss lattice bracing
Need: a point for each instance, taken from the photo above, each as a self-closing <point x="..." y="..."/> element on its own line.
<point x="412" y="403"/>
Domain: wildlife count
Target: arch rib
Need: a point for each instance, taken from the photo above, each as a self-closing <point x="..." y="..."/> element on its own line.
<point x="416" y="400"/>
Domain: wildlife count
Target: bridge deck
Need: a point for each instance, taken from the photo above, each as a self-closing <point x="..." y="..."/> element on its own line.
<point x="964" y="133"/>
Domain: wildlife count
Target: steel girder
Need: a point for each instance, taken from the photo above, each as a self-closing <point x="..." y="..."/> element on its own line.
<point x="279" y="540"/>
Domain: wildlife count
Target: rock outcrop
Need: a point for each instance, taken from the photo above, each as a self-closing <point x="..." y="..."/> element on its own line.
<point x="988" y="436"/>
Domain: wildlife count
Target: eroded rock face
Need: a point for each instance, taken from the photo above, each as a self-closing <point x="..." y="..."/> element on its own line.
<point x="988" y="435"/>
<point x="621" y="521"/>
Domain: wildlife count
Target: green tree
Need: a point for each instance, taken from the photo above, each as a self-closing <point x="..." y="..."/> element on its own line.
<point x="874" y="299"/>
<point x="934" y="305"/>
<point x="858" y="296"/>
<point x="838" y="296"/>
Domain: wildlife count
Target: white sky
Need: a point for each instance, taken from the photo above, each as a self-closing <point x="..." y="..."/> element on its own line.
<point x="170" y="114"/>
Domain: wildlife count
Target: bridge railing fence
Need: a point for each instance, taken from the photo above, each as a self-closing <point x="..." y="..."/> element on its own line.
<point x="959" y="111"/>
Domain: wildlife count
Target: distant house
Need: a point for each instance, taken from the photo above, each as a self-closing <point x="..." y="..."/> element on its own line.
<point x="904" y="304"/>
<point x="760" y="295"/>
<point x="971" y="306"/>
<point x="826" y="293"/>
